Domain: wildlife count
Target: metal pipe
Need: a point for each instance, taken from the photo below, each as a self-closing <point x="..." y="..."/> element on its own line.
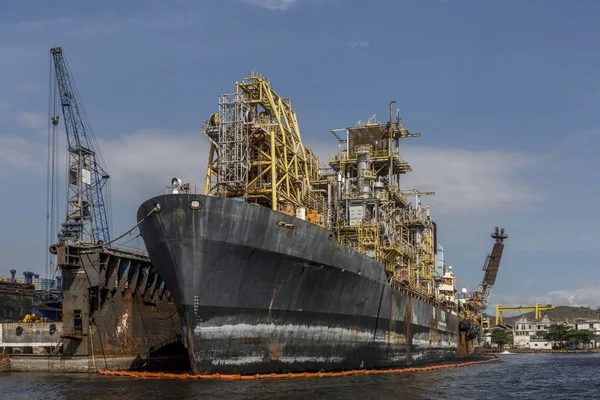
<point x="391" y="133"/>
<point x="329" y="202"/>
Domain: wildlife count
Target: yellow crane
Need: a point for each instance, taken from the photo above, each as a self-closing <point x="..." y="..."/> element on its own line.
<point x="538" y="308"/>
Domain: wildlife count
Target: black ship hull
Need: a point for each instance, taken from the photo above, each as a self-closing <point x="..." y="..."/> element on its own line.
<point x="261" y="291"/>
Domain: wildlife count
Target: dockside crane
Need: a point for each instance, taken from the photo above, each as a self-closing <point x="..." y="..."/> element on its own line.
<point x="87" y="176"/>
<point x="482" y="294"/>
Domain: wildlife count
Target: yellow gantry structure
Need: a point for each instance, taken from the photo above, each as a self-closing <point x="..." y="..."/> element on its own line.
<point x="257" y="152"/>
<point x="538" y="308"/>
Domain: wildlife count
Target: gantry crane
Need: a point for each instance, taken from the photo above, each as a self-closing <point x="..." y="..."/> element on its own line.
<point x="86" y="220"/>
<point x="537" y="308"/>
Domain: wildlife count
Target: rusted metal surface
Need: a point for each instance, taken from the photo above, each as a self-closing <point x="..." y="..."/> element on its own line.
<point x="258" y="297"/>
<point x="16" y="299"/>
<point x="115" y="304"/>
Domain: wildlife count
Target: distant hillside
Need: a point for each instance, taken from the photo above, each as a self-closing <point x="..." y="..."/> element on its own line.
<point x="559" y="313"/>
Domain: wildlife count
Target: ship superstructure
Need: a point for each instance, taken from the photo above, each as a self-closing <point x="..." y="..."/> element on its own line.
<point x="257" y="155"/>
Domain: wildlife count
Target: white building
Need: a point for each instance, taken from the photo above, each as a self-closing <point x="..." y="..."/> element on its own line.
<point x="540" y="344"/>
<point x="525" y="330"/>
<point x="589" y="325"/>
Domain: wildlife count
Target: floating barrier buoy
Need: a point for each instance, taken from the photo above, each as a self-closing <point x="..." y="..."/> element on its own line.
<point x="162" y="375"/>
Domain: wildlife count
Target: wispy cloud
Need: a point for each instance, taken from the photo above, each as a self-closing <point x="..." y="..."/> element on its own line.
<point x="467" y="181"/>
<point x="359" y="43"/>
<point x="571" y="238"/>
<point x="18" y="155"/>
<point x="143" y="162"/>
<point x="140" y="163"/>
<point x="275" y="5"/>
<point x="31" y="119"/>
<point x="587" y="296"/>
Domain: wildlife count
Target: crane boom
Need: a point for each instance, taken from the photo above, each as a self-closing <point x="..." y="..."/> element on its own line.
<point x="86" y="220"/>
<point x="481" y="296"/>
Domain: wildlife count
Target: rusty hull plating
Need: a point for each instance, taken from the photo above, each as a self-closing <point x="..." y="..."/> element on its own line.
<point x="262" y="291"/>
<point x="116" y="305"/>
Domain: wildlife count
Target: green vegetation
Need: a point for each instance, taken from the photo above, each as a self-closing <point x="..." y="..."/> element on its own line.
<point x="557" y="333"/>
<point x="561" y="333"/>
<point x="501" y="337"/>
<point x="580" y="336"/>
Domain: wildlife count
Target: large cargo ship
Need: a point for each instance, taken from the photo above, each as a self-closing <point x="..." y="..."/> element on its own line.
<point x="284" y="264"/>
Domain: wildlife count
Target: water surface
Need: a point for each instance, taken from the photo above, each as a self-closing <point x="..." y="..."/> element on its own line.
<point x="517" y="376"/>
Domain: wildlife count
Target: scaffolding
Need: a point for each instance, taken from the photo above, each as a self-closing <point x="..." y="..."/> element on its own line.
<point x="257" y="152"/>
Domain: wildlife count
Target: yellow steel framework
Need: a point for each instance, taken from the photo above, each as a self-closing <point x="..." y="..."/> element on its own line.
<point x="373" y="214"/>
<point x="257" y="151"/>
<point x="538" y="308"/>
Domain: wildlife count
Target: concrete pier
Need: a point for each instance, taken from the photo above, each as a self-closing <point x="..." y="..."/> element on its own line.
<point x="37" y="347"/>
<point x="30" y="338"/>
<point x="62" y="364"/>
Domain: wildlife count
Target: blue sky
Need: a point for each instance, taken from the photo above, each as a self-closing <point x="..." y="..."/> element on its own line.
<point x="505" y="94"/>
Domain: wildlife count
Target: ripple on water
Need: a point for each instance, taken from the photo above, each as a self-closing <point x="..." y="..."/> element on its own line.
<point x="523" y="376"/>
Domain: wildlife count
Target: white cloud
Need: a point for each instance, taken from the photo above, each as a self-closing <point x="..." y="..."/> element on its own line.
<point x="588" y="296"/>
<point x="32" y="119"/>
<point x="142" y="163"/>
<point x="277" y="5"/>
<point x="359" y="43"/>
<point x="467" y="181"/>
<point x="569" y="238"/>
<point x="18" y="155"/>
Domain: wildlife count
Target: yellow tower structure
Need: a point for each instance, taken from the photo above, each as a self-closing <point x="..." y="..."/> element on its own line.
<point x="257" y="152"/>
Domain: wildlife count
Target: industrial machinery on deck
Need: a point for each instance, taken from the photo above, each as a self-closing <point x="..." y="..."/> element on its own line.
<point x="257" y="155"/>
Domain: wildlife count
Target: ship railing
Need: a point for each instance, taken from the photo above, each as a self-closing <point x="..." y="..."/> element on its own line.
<point x="414" y="292"/>
<point x="373" y="154"/>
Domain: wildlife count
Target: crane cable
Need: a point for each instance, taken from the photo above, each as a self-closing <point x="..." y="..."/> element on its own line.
<point x="97" y="246"/>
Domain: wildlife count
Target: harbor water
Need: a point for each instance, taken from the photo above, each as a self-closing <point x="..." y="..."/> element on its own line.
<point x="515" y="376"/>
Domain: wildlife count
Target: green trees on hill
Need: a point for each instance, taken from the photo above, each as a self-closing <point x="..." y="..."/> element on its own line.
<point x="561" y="333"/>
